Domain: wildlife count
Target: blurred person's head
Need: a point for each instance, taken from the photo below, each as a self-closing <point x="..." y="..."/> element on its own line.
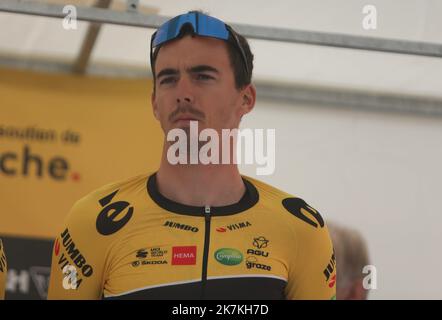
<point x="351" y="257"/>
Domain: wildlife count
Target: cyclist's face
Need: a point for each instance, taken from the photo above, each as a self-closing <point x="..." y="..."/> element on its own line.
<point x="194" y="80"/>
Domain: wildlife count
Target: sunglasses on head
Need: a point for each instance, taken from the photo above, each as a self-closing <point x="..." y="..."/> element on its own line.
<point x="202" y="25"/>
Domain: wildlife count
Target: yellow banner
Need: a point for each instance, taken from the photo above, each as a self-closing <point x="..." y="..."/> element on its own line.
<point x="62" y="136"/>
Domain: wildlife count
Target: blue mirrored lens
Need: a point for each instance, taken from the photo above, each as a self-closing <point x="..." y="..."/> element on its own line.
<point x="212" y="27"/>
<point x="203" y="25"/>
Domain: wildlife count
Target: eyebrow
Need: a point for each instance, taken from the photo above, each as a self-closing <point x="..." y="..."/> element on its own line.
<point x="167" y="72"/>
<point x="202" y="68"/>
<point x="195" y="69"/>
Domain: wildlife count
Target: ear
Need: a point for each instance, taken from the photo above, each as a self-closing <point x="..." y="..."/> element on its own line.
<point x="154" y="106"/>
<point x="248" y="97"/>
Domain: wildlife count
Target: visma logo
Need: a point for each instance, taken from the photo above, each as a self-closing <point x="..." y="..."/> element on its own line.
<point x="29" y="163"/>
<point x="228" y="256"/>
<point x="234" y="226"/>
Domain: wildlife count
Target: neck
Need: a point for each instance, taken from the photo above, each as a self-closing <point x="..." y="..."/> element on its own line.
<point x="198" y="184"/>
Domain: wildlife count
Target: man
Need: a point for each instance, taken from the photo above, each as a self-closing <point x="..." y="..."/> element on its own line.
<point x="194" y="231"/>
<point x="352" y="256"/>
<point x="3" y="271"/>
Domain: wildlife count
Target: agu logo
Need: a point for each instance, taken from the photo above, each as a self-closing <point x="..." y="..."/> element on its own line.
<point x="185" y="255"/>
<point x="260" y="242"/>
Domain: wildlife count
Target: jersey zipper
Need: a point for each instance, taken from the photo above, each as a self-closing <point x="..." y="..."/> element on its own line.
<point x="207" y="217"/>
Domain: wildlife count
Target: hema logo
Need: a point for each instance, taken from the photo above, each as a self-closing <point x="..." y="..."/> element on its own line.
<point x="31" y="164"/>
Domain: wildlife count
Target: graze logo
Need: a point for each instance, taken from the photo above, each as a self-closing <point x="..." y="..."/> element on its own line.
<point x="300" y="209"/>
<point x="114" y="216"/>
<point x="192" y="147"/>
<point x="330" y="278"/>
<point x="145" y="256"/>
<point x="259" y="243"/>
<point x="252" y="262"/>
<point x="180" y="226"/>
<point x="31" y="164"/>
<point x="184" y="255"/>
<point x="71" y="255"/>
<point x="234" y="226"/>
<point x="228" y="256"/>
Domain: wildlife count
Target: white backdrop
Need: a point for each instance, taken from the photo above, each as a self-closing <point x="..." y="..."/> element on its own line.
<point x="380" y="173"/>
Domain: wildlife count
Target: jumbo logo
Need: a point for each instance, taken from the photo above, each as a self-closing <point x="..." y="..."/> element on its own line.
<point x="329" y="270"/>
<point x="73" y="253"/>
<point x="180" y="226"/>
<point x="228" y="256"/>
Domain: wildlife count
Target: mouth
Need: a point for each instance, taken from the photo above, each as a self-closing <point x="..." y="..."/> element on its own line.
<point x="185" y="119"/>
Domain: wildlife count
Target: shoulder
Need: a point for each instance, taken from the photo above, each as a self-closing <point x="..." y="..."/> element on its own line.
<point x="107" y="209"/>
<point x="294" y="210"/>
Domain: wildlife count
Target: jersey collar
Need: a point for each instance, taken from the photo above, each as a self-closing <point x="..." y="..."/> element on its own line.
<point x="249" y="199"/>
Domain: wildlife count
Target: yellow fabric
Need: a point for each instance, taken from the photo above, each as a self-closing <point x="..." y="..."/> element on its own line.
<point x="3" y="271"/>
<point x="107" y="265"/>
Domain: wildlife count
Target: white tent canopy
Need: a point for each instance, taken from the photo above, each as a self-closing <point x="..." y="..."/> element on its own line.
<point x="414" y="20"/>
<point x="377" y="172"/>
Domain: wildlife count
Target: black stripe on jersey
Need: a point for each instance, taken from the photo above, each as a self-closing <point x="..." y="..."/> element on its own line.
<point x="247" y="288"/>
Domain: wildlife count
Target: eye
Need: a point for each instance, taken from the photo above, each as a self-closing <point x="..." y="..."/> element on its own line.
<point x="202" y="76"/>
<point x="167" y="80"/>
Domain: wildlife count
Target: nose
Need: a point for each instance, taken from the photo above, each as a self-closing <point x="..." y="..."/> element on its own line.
<point x="184" y="91"/>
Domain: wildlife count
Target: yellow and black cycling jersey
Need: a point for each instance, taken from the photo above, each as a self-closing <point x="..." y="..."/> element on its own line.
<point x="3" y="271"/>
<point x="127" y="241"/>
